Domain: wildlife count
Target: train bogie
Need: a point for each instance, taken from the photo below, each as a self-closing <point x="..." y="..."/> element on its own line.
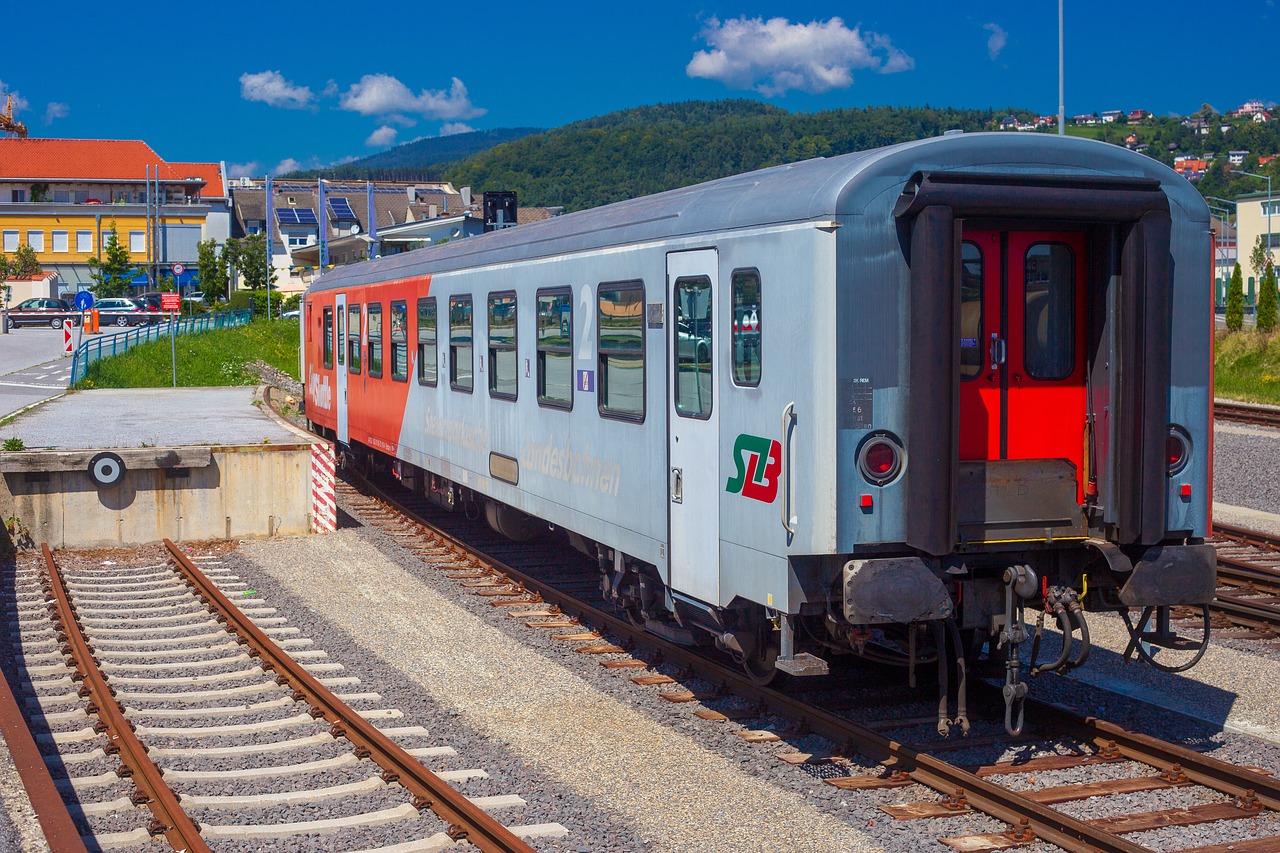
<point x="797" y="413"/>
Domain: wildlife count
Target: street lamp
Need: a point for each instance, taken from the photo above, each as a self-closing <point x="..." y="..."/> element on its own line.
<point x="1226" y="255"/>
<point x="1266" y="178"/>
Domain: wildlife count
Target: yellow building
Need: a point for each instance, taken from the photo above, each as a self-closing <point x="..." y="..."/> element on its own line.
<point x="1251" y="224"/>
<point x="62" y="197"/>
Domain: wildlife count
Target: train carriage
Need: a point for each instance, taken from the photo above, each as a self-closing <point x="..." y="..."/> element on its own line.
<point x="821" y="409"/>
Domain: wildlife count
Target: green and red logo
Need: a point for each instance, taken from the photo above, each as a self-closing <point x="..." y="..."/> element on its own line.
<point x="759" y="461"/>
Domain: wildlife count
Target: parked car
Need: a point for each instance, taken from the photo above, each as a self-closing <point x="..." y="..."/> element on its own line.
<point x="194" y="296"/>
<point x="123" y="312"/>
<point x="291" y="314"/>
<point x="149" y="301"/>
<point x="41" y="312"/>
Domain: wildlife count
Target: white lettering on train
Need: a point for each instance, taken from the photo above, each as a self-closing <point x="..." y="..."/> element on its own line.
<point x="576" y="466"/>
<point x="319" y="391"/>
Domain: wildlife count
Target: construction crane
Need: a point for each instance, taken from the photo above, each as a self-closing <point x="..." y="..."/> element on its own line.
<point x="8" y="125"/>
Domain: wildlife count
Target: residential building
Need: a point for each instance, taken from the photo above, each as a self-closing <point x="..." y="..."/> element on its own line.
<point x="1251" y="224"/>
<point x="1138" y="115"/>
<point x="1109" y="116"/>
<point x="62" y="197"/>
<point x="1236" y="158"/>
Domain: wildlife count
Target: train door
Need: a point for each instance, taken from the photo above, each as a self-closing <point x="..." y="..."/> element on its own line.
<point x="694" y="431"/>
<point x="340" y="347"/>
<point x="1022" y="359"/>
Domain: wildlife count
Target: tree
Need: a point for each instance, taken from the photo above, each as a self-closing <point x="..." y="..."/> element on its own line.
<point x="24" y="262"/>
<point x="114" y="270"/>
<point x="4" y="276"/>
<point x="231" y="259"/>
<point x="1268" y="301"/>
<point x="1235" y="301"/>
<point x="211" y="270"/>
<point x="1258" y="257"/>
<point x="253" y="262"/>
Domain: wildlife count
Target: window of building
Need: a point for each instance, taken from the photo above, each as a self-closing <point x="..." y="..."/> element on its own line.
<point x="375" y="339"/>
<point x="60" y="241"/>
<point x="747" y="311"/>
<point x="1049" y="303"/>
<point x="62" y="196"/>
<point x="35" y="239"/>
<point x="17" y="196"/>
<point x="620" y="359"/>
<point x="353" y="338"/>
<point x="461" y="367"/>
<point x="138" y="242"/>
<point x="693" y="392"/>
<point x="502" y="346"/>
<point x="109" y="237"/>
<point x="81" y="196"/>
<point x="427" y="359"/>
<point x="328" y="337"/>
<point x="84" y="241"/>
<point x="971" y="275"/>
<point x="555" y="348"/>
<point x="10" y="241"/>
<point x="400" y="341"/>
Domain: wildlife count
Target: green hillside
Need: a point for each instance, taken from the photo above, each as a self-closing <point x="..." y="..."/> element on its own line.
<point x="420" y="160"/>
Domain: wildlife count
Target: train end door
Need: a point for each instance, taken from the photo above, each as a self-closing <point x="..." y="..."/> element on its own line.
<point x="693" y="441"/>
<point x="340" y="373"/>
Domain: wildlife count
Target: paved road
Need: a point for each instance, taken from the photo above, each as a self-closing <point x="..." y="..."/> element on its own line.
<point x="31" y="367"/>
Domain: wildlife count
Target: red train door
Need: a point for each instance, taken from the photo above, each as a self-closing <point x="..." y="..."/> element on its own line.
<point x="1022" y="360"/>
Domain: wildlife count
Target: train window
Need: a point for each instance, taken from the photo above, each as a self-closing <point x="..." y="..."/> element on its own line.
<point x="427" y="360"/>
<point x="746" y="327"/>
<point x="1049" y="285"/>
<point x="375" y="340"/>
<point x="555" y="348"/>
<point x="353" y="338"/>
<point x="400" y="341"/>
<point x="328" y="338"/>
<point x="461" y="365"/>
<point x="693" y="347"/>
<point x="502" y="346"/>
<point x="341" y="340"/>
<point x="970" y="311"/>
<point x="620" y="348"/>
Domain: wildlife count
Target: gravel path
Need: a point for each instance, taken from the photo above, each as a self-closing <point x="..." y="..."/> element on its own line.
<point x="1246" y="468"/>
<point x="18" y="827"/>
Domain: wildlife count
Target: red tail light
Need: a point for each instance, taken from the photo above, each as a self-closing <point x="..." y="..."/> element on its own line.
<point x="1177" y="449"/>
<point x="880" y="459"/>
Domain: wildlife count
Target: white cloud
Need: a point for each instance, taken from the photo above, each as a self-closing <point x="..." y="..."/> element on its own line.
<point x="271" y="88"/>
<point x="453" y="128"/>
<point x="382" y="137"/>
<point x="244" y="170"/>
<point x="288" y="164"/>
<point x="56" y="110"/>
<point x="996" y="41"/>
<point x="775" y="56"/>
<point x="19" y="102"/>
<point x="384" y="95"/>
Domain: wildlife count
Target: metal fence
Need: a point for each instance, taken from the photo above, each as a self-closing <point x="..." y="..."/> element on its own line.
<point x="92" y="349"/>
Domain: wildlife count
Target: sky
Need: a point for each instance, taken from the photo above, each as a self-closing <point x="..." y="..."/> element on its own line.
<point x="270" y="88"/>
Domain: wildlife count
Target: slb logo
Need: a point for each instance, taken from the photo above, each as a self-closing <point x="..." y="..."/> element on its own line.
<point x="759" y="461"/>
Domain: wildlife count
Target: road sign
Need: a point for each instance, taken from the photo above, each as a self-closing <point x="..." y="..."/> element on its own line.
<point x="66" y="337"/>
<point x="169" y="301"/>
<point x="84" y="300"/>
<point x="179" y="269"/>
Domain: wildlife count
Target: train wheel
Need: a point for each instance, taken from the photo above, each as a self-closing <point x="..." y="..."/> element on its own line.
<point x="759" y="664"/>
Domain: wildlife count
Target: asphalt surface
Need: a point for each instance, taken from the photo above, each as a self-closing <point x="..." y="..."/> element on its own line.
<point x="32" y="367"/>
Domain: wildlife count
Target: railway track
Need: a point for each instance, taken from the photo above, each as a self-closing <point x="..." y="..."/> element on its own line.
<point x="1246" y="413"/>
<point x="1248" y="595"/>
<point x="564" y="601"/>
<point x="215" y="715"/>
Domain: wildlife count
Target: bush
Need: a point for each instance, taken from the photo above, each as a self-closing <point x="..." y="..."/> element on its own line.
<point x="1235" y="301"/>
<point x="1268" y="304"/>
<point x="257" y="300"/>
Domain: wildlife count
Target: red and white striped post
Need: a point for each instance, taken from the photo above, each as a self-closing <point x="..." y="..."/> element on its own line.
<point x="324" y="505"/>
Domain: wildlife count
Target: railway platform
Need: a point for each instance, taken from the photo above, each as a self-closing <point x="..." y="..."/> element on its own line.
<point x="117" y="467"/>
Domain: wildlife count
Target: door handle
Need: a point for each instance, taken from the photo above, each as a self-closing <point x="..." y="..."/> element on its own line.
<point x="788" y="520"/>
<point x="677" y="485"/>
<point x="999" y="351"/>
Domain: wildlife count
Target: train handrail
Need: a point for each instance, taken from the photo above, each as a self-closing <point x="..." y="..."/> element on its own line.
<point x="93" y="349"/>
<point x="788" y="520"/>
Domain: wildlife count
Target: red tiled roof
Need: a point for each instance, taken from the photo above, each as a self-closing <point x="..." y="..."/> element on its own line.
<point x="97" y="160"/>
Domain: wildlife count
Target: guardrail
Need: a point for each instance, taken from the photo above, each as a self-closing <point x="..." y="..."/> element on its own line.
<point x="106" y="346"/>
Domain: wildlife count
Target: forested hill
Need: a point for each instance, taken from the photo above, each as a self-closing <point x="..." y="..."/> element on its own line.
<point x="420" y="160"/>
<point x="650" y="149"/>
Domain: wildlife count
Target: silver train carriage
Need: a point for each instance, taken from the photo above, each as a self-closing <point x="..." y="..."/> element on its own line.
<point x="875" y="404"/>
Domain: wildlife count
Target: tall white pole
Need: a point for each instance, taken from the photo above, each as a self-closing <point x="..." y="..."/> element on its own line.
<point x="1062" y="100"/>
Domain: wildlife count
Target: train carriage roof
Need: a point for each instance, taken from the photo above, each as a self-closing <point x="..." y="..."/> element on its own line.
<point x="795" y="192"/>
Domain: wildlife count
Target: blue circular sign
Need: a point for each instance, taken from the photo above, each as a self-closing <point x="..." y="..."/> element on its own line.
<point x="84" y="300"/>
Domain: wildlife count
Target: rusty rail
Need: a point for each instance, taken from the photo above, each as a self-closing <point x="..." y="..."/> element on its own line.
<point x="1246" y="413"/>
<point x="169" y="818"/>
<point x="466" y="820"/>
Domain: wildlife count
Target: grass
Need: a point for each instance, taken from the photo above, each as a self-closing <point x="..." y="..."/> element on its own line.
<point x="1247" y="367"/>
<point x="214" y="358"/>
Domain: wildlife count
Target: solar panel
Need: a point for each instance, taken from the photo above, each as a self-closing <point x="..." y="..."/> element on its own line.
<point x="342" y="209"/>
<point x="306" y="216"/>
<point x="287" y="215"/>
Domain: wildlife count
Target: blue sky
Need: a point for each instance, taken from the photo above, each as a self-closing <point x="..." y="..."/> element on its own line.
<point x="265" y="87"/>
